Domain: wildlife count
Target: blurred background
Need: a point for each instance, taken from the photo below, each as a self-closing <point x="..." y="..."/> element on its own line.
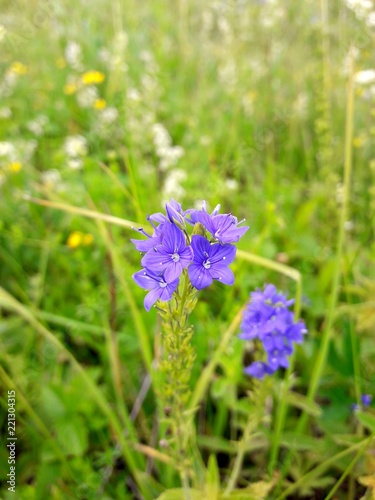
<point x="118" y="106"/>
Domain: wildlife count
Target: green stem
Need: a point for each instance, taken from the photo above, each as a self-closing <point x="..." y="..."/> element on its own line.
<point x="177" y="364"/>
<point x="283" y="405"/>
<point x="239" y="459"/>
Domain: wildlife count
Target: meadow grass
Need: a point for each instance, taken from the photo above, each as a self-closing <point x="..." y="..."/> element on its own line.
<point x="109" y="109"/>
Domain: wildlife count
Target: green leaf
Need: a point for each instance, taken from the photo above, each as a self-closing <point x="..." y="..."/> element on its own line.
<point x="72" y="435"/>
<point x="217" y="444"/>
<point x="367" y="419"/>
<point x="179" y="494"/>
<point x="212" y="479"/>
<point x="300" y="401"/>
<point x="255" y="491"/>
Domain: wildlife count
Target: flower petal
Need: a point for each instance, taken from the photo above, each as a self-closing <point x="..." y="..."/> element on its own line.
<point x="172" y="271"/>
<point x="200" y="246"/>
<point x="222" y="253"/>
<point x="156" y="259"/>
<point x="199" y="276"/>
<point x="145" y="281"/>
<point x="173" y="239"/>
<point x="222" y="273"/>
<point x="186" y="256"/>
<point x="152" y="297"/>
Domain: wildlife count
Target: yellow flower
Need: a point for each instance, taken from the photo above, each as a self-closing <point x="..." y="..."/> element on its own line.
<point x="88" y="239"/>
<point x="100" y="104"/>
<point x="18" y="68"/>
<point x="15" y="166"/>
<point x="60" y="63"/>
<point x="70" y="88"/>
<point x="74" y="239"/>
<point x="359" y="141"/>
<point x="92" y="77"/>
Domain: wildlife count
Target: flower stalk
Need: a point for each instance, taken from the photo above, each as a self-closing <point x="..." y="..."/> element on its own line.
<point x="176" y="367"/>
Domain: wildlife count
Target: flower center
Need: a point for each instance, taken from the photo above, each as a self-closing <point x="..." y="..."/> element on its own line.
<point x="207" y="264"/>
<point x="175" y="257"/>
<point x="163" y="284"/>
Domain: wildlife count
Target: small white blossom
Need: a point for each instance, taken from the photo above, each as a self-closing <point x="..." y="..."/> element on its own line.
<point x="75" y="146"/>
<point x="75" y="163"/>
<point x="38" y="125"/>
<point x="108" y="115"/>
<point x="5" y="113"/>
<point x="370" y="20"/>
<point x="87" y="96"/>
<point x="172" y="187"/>
<point x="7" y="150"/>
<point x="50" y="177"/>
<point x="365" y="77"/>
<point x="231" y="184"/>
<point x="73" y="55"/>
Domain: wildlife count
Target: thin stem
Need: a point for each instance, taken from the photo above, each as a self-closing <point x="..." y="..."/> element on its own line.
<point x="283" y="405"/>
<point x="239" y="459"/>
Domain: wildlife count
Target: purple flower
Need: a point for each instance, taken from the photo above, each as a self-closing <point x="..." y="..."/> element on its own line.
<point x="171" y="256"/>
<point x="366" y="399"/>
<point x="151" y="242"/>
<point x="268" y="319"/>
<point x="161" y="289"/>
<point x="210" y="263"/>
<point x="223" y="227"/>
<point x="174" y="213"/>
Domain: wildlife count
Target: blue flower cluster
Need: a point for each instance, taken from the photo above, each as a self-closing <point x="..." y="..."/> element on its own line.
<point x="170" y="250"/>
<point x="268" y="319"/>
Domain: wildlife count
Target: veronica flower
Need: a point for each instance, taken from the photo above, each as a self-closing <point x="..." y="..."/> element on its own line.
<point x="268" y="319"/>
<point x="365" y="400"/>
<point x="174" y="213"/>
<point x="171" y="256"/>
<point x="223" y="227"/>
<point x="210" y="262"/>
<point x="152" y="240"/>
<point x="160" y="288"/>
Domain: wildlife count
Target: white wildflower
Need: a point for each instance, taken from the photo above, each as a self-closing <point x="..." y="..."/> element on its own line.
<point x="51" y="176"/>
<point x="73" y="55"/>
<point x="370" y="20"/>
<point x="108" y="115"/>
<point x="7" y="150"/>
<point x="75" y="163"/>
<point x="87" y="96"/>
<point x="231" y="184"/>
<point x="75" y="146"/>
<point x="365" y="77"/>
<point x="172" y="187"/>
<point x="5" y="113"/>
<point x="38" y="125"/>
<point x="133" y="95"/>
